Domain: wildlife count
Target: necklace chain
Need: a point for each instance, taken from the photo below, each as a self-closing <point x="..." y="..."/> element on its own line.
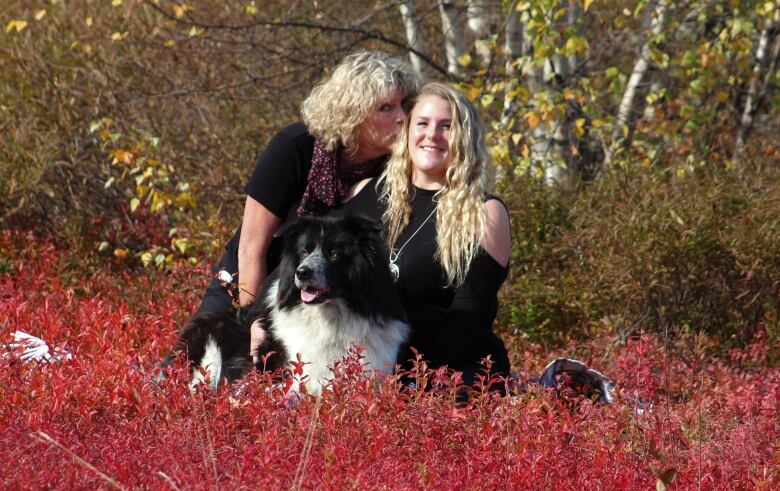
<point x="395" y="254"/>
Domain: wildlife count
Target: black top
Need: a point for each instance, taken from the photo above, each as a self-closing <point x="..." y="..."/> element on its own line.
<point x="450" y="326"/>
<point x="282" y="170"/>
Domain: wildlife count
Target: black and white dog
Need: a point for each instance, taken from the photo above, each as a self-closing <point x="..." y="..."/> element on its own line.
<point x="331" y="289"/>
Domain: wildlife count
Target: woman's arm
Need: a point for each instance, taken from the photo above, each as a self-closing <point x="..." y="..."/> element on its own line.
<point x="257" y="230"/>
<point x="498" y="240"/>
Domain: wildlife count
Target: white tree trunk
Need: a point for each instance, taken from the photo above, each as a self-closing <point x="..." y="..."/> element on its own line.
<point x="552" y="144"/>
<point x="477" y="12"/>
<point x="413" y="34"/>
<point x="764" y="57"/>
<point x="515" y="47"/>
<point x="453" y="35"/>
<point x="627" y="105"/>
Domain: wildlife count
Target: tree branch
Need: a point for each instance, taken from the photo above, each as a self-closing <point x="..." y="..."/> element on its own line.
<point x="365" y="34"/>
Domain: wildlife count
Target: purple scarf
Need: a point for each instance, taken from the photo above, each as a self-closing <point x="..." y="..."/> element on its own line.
<point x="328" y="182"/>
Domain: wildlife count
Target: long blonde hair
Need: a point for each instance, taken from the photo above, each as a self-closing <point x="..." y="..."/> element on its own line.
<point x="460" y="215"/>
<point x="336" y="107"/>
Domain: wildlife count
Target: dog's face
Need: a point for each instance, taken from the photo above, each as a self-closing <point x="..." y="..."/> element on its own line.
<point x="324" y="259"/>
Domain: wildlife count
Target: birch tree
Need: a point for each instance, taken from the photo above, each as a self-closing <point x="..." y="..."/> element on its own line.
<point x="767" y="53"/>
<point x="627" y="108"/>
<point x="477" y="20"/>
<point x="453" y="35"/>
<point x="413" y="35"/>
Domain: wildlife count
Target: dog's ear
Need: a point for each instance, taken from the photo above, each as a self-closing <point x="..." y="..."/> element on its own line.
<point x="291" y="227"/>
<point x="363" y="226"/>
<point x="370" y="233"/>
<point x="286" y="273"/>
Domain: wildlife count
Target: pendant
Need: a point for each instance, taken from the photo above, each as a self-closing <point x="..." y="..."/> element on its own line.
<point x="395" y="272"/>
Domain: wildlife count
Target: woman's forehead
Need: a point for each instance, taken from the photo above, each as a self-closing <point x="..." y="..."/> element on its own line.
<point x="432" y="103"/>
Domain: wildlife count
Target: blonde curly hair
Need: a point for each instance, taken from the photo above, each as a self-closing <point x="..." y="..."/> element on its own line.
<point x="460" y="215"/>
<point x="336" y="107"/>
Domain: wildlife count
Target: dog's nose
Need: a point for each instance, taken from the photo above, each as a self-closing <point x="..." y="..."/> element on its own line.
<point x="303" y="273"/>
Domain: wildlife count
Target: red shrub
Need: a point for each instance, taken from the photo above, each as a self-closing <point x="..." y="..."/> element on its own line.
<point x="98" y="419"/>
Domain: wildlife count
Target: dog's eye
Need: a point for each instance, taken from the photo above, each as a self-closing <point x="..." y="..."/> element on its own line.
<point x="334" y="255"/>
<point x="303" y="253"/>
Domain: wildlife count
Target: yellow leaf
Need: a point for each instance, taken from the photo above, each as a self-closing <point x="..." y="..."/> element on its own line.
<point x="40" y="14"/>
<point x="146" y="258"/>
<point x="181" y="244"/>
<point x="184" y="200"/>
<point x="579" y="131"/>
<point x="116" y="3"/>
<point x="116" y="36"/>
<point x="516" y="138"/>
<point x="586" y="4"/>
<point x="676" y="217"/>
<point x="120" y="155"/>
<point x="88" y="21"/>
<point x="180" y="10"/>
<point x="532" y="119"/>
<point x="464" y="60"/>
<point x="120" y="253"/>
<point x="169" y="43"/>
<point x="16" y="25"/>
<point x="251" y="9"/>
<point x="134" y="204"/>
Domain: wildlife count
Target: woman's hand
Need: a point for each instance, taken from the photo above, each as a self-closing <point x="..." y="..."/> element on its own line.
<point x="257" y="335"/>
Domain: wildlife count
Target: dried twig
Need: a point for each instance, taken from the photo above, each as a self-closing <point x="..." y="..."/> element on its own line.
<point x="44" y="438"/>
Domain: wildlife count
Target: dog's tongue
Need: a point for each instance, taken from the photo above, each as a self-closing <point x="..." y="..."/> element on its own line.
<point x="308" y="296"/>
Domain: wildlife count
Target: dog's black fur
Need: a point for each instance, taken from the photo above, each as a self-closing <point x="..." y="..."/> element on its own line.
<point x="333" y="281"/>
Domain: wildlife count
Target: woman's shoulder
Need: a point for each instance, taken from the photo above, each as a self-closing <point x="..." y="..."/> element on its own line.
<point x="294" y="133"/>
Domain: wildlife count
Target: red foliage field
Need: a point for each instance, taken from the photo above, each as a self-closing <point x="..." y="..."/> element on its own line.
<point x="98" y="420"/>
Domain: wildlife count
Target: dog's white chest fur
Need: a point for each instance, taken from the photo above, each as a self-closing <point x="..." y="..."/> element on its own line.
<point x="323" y="334"/>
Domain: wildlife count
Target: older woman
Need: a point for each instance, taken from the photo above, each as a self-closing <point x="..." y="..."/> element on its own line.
<point x="350" y="123"/>
<point x="449" y="240"/>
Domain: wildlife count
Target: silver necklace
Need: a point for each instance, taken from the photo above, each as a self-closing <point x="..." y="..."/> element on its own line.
<point x="395" y="272"/>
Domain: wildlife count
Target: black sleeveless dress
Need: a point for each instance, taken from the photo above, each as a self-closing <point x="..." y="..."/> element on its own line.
<point x="451" y="326"/>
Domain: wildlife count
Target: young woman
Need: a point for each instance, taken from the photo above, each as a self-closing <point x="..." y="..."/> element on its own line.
<point x="350" y="123"/>
<point x="449" y="240"/>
